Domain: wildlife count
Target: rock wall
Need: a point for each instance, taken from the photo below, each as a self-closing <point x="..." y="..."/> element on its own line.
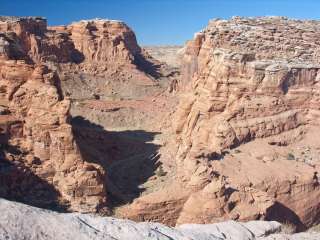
<point x="44" y="165"/>
<point x="104" y="41"/>
<point x="249" y="79"/>
<point x="43" y="69"/>
<point x="30" y="39"/>
<point x="108" y="61"/>
<point x="248" y="96"/>
<point x="41" y="162"/>
<point x="245" y="85"/>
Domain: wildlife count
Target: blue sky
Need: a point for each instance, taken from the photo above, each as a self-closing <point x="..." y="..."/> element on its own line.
<point x="158" y="22"/>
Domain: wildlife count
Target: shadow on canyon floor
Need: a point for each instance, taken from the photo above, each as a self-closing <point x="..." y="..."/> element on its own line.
<point x="128" y="157"/>
<point x="19" y="183"/>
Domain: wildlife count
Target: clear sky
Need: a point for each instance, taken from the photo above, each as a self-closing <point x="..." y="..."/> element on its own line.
<point x="159" y="22"/>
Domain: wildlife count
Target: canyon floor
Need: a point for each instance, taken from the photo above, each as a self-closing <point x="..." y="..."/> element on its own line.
<point x="130" y="131"/>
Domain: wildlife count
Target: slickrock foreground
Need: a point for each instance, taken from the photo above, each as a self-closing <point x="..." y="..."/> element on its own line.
<point x="18" y="221"/>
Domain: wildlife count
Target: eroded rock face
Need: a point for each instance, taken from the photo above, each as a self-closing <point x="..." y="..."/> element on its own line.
<point x="104" y="41"/>
<point x="111" y="62"/>
<point x="45" y="167"/>
<point x="250" y="79"/>
<point x="41" y="162"/>
<point x="16" y="219"/>
<point x="43" y="69"/>
<point x="249" y="92"/>
<point x="30" y="40"/>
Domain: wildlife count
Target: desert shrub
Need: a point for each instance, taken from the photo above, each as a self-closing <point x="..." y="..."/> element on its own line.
<point x="288" y="228"/>
<point x="290" y="156"/>
<point x="160" y="172"/>
<point x="315" y="228"/>
<point x="96" y="96"/>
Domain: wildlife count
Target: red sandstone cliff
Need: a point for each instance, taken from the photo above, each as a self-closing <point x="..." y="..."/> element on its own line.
<point x="37" y="140"/>
<point x="36" y="137"/>
<point x="247" y="111"/>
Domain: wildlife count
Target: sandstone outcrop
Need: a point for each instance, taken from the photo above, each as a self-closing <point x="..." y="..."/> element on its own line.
<point x="113" y="65"/>
<point x="104" y="42"/>
<point x="44" y="165"/>
<point x="41" y="162"/>
<point x="43" y="72"/>
<point x="29" y="39"/>
<point x="16" y="220"/>
<point x="251" y="79"/>
<point x="248" y="109"/>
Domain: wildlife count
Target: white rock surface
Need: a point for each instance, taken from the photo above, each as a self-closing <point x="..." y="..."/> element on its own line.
<point x="297" y="236"/>
<point x="22" y="222"/>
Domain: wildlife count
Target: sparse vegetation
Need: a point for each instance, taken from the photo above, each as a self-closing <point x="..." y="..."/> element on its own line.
<point x="288" y="228"/>
<point x="160" y="172"/>
<point x="96" y="96"/>
<point x="290" y="156"/>
<point x="80" y="103"/>
<point x="315" y="228"/>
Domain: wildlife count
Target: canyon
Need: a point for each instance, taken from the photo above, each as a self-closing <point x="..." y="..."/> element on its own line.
<point x="223" y="128"/>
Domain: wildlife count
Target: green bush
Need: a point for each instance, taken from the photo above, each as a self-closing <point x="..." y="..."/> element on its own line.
<point x="160" y="172"/>
<point x="290" y="156"/>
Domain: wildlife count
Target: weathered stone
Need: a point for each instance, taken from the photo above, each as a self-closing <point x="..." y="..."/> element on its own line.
<point x="18" y="221"/>
<point x="245" y="81"/>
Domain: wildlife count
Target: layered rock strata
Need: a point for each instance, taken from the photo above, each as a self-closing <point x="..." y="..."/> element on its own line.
<point x="41" y="161"/>
<point x="45" y="73"/>
<point x="248" y="104"/>
<point x="113" y="66"/>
